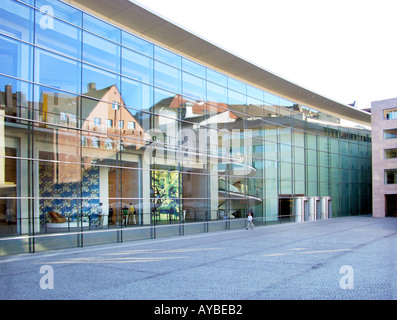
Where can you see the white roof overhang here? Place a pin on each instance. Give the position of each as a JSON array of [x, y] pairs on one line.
[[144, 22]]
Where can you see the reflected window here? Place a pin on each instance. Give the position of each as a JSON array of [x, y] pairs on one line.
[[115, 105], [109, 123], [109, 144], [84, 141], [131, 125], [95, 142], [121, 124], [97, 121]]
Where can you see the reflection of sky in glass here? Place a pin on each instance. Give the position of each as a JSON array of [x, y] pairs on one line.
[[16, 20], [193, 86], [101, 28], [56, 71], [167, 77], [137, 66], [15, 58], [63, 11], [63, 37], [136, 95], [101, 52], [101, 78]]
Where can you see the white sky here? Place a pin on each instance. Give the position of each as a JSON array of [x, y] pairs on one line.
[[345, 50]]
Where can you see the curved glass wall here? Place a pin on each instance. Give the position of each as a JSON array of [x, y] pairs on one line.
[[106, 137]]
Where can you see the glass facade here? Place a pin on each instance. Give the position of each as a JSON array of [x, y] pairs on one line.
[[106, 137]]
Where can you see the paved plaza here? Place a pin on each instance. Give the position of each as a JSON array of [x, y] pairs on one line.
[[341, 258]]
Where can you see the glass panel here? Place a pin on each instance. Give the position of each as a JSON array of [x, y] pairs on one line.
[[237, 85], [238, 99], [299, 172], [271, 99], [284, 135], [168, 57], [193, 68], [62, 37], [323, 159], [57, 72], [193, 87], [101, 52], [137, 95], [55, 107], [137, 44], [10, 205], [16, 58], [285, 170], [101, 28], [285, 153], [271, 150], [60, 10], [97, 82], [216, 77], [15, 98], [167, 77], [311, 157], [216, 93], [137, 66], [299, 155], [255, 93], [311, 141], [16, 20]]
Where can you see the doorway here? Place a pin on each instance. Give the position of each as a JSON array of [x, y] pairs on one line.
[[391, 205], [285, 209]]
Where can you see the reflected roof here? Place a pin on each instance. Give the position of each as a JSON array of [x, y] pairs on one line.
[[144, 22]]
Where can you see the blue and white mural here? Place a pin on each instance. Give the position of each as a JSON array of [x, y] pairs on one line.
[[69, 199]]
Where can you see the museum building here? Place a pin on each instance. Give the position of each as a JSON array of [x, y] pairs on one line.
[[117, 125]]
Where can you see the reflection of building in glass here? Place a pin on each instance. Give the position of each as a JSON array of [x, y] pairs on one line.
[[172, 143]]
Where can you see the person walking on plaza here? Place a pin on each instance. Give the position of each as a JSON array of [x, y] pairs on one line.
[[249, 221]]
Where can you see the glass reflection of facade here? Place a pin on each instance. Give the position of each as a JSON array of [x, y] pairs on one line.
[[95, 118]]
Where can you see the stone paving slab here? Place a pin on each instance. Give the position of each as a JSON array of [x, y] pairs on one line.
[[288, 261]]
